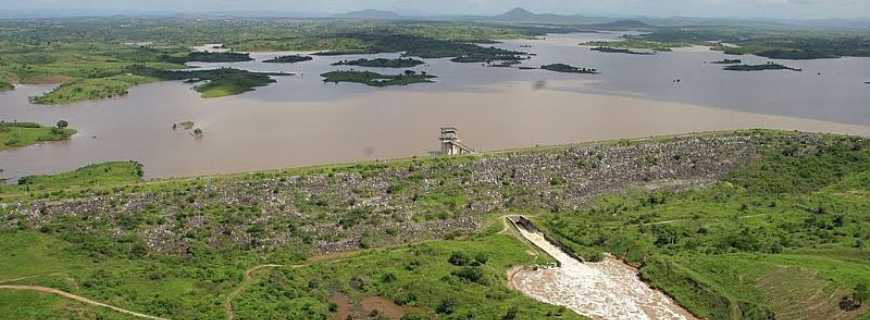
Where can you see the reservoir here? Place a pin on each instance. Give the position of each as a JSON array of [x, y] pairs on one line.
[[300, 120]]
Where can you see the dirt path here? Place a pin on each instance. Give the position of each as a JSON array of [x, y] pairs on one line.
[[249, 277], [81, 299], [246, 281], [228, 302]]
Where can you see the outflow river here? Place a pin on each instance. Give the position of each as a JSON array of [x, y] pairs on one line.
[[301, 120], [607, 290]]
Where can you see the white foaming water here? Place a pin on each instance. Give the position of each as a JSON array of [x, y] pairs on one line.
[[603, 290]]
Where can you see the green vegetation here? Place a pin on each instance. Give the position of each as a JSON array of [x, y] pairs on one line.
[[561, 67], [381, 63], [427, 48], [376, 79], [760, 67], [488, 58], [620, 50], [103, 174], [217, 82], [632, 43], [20, 134], [289, 59], [784, 237], [96, 53], [91, 89], [423, 280], [6, 86], [217, 57], [767, 42]]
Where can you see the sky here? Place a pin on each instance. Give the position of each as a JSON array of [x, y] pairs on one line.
[[788, 9]]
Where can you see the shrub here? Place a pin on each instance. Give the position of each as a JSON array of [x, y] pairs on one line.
[[470, 274], [459, 259], [447, 306]]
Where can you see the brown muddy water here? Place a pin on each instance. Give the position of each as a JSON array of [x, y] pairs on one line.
[[301, 121]]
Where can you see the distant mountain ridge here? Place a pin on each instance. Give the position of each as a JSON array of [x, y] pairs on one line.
[[518, 13], [370, 14], [521, 15]]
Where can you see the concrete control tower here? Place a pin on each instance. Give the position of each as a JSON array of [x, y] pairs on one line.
[[450, 143]]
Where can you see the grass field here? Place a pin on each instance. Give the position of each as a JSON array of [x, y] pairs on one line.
[[13, 135], [420, 279]]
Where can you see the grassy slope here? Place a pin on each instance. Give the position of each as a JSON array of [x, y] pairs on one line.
[[419, 277], [12, 137], [745, 262], [97, 175], [783, 235], [118, 272]]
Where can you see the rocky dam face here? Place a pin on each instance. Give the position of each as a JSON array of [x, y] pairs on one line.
[[609, 289]]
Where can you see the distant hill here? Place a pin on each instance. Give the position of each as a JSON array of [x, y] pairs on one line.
[[370, 14], [518, 13], [521, 15]]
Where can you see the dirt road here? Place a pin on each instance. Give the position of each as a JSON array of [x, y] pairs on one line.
[[78, 298]]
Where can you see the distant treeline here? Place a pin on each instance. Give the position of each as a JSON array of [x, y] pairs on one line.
[[774, 44]]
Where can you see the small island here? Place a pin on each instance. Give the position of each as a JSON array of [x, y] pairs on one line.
[[761, 67], [375, 79], [728, 61], [634, 44], [215, 82], [486, 58], [561, 67], [184, 125], [620, 50], [91, 89], [289, 59], [381, 63], [20, 134]]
